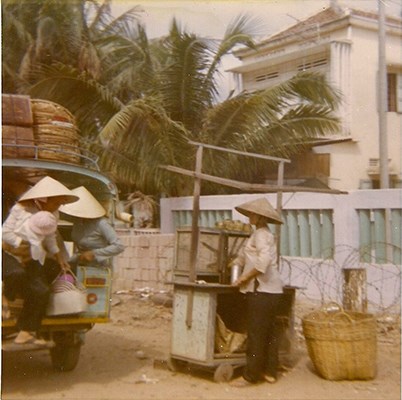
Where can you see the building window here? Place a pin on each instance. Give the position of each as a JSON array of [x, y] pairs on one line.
[[314, 64], [207, 218], [307, 233], [266, 77], [394, 86], [374, 173], [374, 183], [286, 70], [375, 247]]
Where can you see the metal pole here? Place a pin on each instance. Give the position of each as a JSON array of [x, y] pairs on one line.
[[382, 115], [281, 172], [382, 98]]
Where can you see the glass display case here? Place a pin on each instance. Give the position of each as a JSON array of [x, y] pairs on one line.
[[216, 248]]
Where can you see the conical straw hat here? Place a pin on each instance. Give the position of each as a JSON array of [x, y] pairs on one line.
[[49, 187], [86, 207], [262, 207]]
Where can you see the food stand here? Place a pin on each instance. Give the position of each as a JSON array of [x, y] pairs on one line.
[[205, 306]]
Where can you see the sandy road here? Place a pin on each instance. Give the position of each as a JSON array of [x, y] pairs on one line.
[[120, 361]]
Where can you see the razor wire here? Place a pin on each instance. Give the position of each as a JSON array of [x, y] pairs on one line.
[[322, 281]]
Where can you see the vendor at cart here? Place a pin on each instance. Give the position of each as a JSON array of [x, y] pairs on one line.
[[261, 283]]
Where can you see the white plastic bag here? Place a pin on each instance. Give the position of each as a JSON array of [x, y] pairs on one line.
[[66, 297]]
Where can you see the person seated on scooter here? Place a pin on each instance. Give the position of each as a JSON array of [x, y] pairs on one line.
[[39, 230], [95, 239], [22, 274]]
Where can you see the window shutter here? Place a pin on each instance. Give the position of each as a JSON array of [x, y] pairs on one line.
[[399, 93]]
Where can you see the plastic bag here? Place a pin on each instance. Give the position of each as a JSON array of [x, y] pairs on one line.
[[66, 297]]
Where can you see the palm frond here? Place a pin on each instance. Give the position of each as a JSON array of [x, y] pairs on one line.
[[240, 31], [250, 111], [142, 133], [312, 87], [128, 64], [129, 17], [240, 115], [183, 87], [91, 103], [13, 29], [98, 15], [280, 121]]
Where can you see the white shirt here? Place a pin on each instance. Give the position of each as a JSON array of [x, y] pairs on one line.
[[15, 230], [260, 252], [37, 242]]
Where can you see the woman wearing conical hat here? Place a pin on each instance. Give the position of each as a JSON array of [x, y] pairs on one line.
[[95, 239], [23, 275], [261, 283]]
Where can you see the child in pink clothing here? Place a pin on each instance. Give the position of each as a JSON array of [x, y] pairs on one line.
[[39, 230]]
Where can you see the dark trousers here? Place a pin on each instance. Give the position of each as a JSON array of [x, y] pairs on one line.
[[262, 355], [29, 283]]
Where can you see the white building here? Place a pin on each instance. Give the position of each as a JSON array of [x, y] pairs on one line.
[[342, 44]]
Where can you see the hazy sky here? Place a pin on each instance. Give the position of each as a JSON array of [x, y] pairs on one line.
[[211, 17]]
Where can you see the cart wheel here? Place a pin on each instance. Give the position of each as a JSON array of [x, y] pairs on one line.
[[65, 357], [223, 373]]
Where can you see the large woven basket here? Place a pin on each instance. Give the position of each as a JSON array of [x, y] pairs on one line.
[[342, 345], [56, 133], [47, 112]]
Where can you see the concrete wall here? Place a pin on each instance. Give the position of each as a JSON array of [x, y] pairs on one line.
[[147, 261]]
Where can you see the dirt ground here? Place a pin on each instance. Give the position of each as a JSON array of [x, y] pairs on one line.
[[126, 359]]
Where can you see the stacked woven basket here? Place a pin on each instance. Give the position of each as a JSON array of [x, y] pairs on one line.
[[342, 345], [55, 131], [31, 122]]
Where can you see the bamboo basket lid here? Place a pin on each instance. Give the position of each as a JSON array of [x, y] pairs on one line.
[[45, 111]]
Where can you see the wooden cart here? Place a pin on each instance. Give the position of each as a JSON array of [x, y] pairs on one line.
[[196, 344], [197, 305]]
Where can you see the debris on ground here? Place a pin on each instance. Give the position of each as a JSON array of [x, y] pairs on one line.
[[144, 379]]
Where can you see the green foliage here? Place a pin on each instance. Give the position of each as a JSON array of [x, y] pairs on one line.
[[138, 101]]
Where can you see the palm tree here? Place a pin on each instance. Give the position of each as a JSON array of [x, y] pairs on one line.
[[278, 120], [152, 96], [48, 38]]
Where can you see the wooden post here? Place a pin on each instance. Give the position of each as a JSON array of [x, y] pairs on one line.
[[194, 235], [195, 217], [355, 290]]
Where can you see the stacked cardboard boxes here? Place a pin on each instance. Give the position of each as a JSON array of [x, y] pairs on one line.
[[17, 127]]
